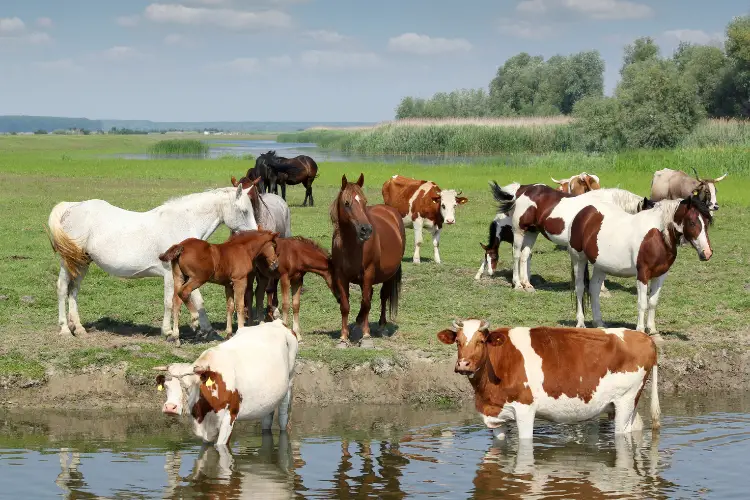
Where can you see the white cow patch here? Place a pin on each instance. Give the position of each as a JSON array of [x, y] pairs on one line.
[[470, 327], [712, 191], [422, 190], [619, 332], [394, 176]]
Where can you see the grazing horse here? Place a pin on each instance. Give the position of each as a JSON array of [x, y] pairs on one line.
[[261, 171], [367, 248], [196, 262], [272, 214], [501, 229], [537, 208], [668, 184], [578, 184], [297, 256], [298, 170], [643, 245], [126, 244]]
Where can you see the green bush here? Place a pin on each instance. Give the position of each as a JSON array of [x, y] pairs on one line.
[[180, 147], [597, 125]]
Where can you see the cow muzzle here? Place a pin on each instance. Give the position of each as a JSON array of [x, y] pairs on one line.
[[170, 409], [464, 368], [450, 222]]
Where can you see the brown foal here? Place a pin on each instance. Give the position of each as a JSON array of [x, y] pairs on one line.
[[195, 262], [296, 256]]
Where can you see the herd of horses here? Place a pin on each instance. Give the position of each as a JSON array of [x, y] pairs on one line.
[[612, 230]]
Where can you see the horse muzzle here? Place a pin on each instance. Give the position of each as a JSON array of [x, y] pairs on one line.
[[274, 265], [364, 232]]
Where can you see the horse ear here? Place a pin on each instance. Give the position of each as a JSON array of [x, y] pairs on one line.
[[256, 181], [234, 181], [484, 247], [344, 182], [361, 180]]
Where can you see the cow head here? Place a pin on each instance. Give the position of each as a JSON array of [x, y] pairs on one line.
[[171, 381], [578, 184], [472, 337], [692, 218], [706, 190], [448, 200]]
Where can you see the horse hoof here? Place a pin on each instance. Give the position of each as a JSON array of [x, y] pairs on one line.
[[529, 288], [175, 340], [65, 332], [342, 344], [366, 343], [657, 338]]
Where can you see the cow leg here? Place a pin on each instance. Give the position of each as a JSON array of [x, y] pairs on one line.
[[653, 301], [525, 264], [595, 287], [344, 307], [525, 421], [285, 411], [73, 316], [417, 239], [518, 237], [579, 268], [225, 427], [229, 293], [266, 422], [240, 285], [63, 284], [364, 313], [626, 416], [642, 289], [436, 243], [296, 294]]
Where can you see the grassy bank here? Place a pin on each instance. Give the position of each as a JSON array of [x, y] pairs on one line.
[[702, 304], [491, 136]]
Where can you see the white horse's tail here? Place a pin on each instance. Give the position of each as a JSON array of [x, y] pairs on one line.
[[655, 408], [74, 258]]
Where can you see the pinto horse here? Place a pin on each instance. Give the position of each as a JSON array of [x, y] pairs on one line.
[[643, 245], [538, 208], [298, 170], [368, 245], [196, 262]]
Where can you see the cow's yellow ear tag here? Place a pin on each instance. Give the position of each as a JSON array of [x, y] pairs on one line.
[[160, 388], [209, 382]]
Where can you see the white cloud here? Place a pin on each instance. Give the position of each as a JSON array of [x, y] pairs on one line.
[[280, 61], [336, 59], [524, 29], [176, 39], [224, 18], [44, 22], [121, 53], [326, 36], [38, 38], [595, 9], [128, 21], [11, 26], [59, 65], [243, 65], [414, 43], [694, 36]]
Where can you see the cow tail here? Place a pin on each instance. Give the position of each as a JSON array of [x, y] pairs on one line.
[[74, 258], [655, 408], [395, 293], [173, 253]]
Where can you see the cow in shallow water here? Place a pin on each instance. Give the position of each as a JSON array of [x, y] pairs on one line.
[[559, 374], [669, 184], [578, 184], [246, 377], [422, 204]]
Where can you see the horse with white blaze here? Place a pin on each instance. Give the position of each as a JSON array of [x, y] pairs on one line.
[[244, 378], [559, 374], [128, 244]]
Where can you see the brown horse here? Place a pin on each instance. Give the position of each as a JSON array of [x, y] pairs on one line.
[[298, 170], [297, 257], [368, 245], [195, 262]]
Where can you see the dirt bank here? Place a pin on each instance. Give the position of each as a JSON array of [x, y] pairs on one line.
[[416, 380]]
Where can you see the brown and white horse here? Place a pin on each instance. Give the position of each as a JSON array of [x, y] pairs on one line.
[[538, 208], [367, 248], [643, 245]]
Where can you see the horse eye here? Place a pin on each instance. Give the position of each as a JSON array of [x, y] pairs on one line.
[[347, 203]]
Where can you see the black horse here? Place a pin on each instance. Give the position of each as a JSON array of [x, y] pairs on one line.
[[282, 171]]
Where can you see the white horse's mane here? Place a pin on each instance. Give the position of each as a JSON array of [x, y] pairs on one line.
[[630, 202], [667, 208], [190, 197]]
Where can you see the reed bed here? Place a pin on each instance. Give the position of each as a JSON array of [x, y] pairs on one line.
[[172, 147], [507, 121], [719, 132]]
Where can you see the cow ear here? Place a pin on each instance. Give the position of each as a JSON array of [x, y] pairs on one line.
[[344, 182], [436, 199], [160, 379], [447, 337], [461, 200], [361, 180], [495, 337], [695, 192]]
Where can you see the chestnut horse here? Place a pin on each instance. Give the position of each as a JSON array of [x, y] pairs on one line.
[[367, 248], [195, 262], [297, 257], [298, 170]]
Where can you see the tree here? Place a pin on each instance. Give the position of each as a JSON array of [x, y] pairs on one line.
[[658, 107], [597, 125], [705, 67], [642, 49], [735, 90]]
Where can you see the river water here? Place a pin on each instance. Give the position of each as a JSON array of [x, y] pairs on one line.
[[361, 451]]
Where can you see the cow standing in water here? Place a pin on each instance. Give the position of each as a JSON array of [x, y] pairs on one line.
[[422, 204], [559, 374], [669, 184]]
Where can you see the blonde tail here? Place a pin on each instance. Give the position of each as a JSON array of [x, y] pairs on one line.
[[655, 409], [74, 258]]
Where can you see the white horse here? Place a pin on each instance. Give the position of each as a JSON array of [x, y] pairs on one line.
[[127, 244]]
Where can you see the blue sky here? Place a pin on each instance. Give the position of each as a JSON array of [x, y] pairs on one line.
[[303, 60]]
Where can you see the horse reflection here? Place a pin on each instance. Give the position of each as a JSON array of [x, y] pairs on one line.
[[263, 472], [575, 470], [70, 479]]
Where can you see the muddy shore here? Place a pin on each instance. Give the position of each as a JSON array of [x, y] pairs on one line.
[[414, 380]]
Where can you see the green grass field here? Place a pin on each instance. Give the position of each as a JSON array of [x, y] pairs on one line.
[[706, 303]]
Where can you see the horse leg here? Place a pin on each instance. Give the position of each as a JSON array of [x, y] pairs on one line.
[[653, 301], [595, 288], [240, 285], [579, 268], [259, 293], [296, 294], [285, 292], [229, 293], [272, 300], [344, 307], [73, 316], [417, 239], [63, 284], [197, 299], [385, 293], [364, 313], [525, 265], [436, 242], [642, 289], [283, 190], [518, 237], [194, 315]]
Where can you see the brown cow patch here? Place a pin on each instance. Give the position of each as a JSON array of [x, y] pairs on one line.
[[584, 232], [216, 396], [654, 256]]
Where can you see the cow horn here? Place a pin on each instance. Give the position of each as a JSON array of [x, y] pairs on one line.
[[720, 178], [456, 325], [160, 368], [485, 325], [696, 173], [556, 181]]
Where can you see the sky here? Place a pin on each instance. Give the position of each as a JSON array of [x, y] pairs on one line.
[[304, 60]]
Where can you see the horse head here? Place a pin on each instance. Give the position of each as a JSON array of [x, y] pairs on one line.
[[349, 209], [268, 250], [693, 218]]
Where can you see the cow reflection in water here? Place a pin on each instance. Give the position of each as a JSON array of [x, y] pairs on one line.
[[70, 479], [577, 469], [250, 473]]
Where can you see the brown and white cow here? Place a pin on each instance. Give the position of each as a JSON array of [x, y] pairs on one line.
[[246, 377], [578, 184], [559, 374], [669, 184], [422, 204]]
